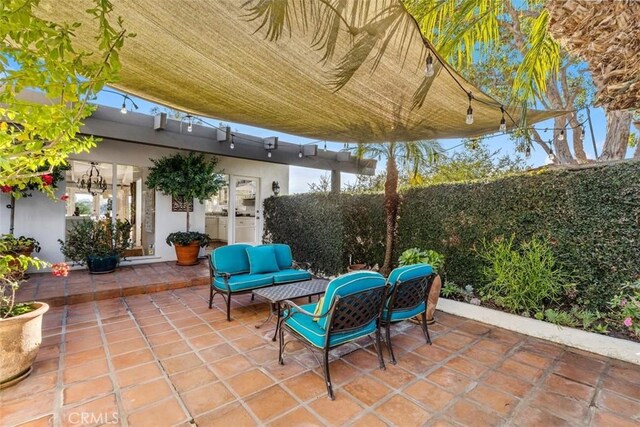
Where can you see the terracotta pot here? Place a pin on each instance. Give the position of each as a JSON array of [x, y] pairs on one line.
[[21, 337], [357, 267], [187, 254], [434, 295]]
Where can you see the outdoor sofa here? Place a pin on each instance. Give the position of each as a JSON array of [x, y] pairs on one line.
[[241, 268]]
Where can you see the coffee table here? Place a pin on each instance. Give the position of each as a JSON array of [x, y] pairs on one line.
[[277, 294]]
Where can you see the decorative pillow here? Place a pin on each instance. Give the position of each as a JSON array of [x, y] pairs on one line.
[[318, 310], [262, 259]]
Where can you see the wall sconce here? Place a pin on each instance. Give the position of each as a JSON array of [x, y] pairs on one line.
[[275, 186]]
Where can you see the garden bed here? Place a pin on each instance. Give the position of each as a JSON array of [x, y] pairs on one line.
[[621, 349]]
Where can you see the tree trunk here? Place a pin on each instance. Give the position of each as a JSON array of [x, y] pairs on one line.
[[187, 204], [391, 211], [12, 219], [561, 148], [618, 129]]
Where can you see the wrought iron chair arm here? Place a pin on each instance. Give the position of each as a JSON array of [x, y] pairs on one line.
[[225, 277], [288, 306]]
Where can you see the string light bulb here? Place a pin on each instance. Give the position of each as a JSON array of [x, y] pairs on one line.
[[429, 71], [190, 126], [123, 110], [469, 120], [503, 122], [269, 154], [561, 135], [232, 145], [582, 133], [325, 146], [300, 152], [527, 151]]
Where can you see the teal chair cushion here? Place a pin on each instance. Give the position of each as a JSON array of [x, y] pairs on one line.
[[262, 259], [244, 281], [315, 335], [290, 275], [348, 284], [399, 315], [283, 255], [409, 272], [231, 259]]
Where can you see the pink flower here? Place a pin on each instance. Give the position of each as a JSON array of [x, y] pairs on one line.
[[628, 322], [47, 179], [64, 197], [623, 302], [60, 269], [6, 189]]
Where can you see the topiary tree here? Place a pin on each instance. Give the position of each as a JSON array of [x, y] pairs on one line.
[[186, 177]]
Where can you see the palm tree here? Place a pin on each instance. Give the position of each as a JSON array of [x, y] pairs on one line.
[[468, 32], [411, 156]]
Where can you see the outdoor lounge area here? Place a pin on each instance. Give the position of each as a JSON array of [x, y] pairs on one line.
[[319, 213], [166, 359]]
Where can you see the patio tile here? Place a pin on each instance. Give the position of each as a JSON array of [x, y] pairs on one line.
[[367, 390], [45, 421], [193, 378], [341, 372], [368, 420], [249, 382], [432, 353], [622, 387], [414, 363], [402, 412], [452, 341], [450, 380], [136, 397], [263, 355], [91, 369], [87, 389], [532, 359], [232, 414], [468, 413], [282, 372], [561, 406], [393, 376], [172, 349], [499, 402], [206, 398], [249, 343], [508, 384], [306, 386], [166, 412], [231, 366], [26, 389], [519, 370], [126, 346], [577, 373], [104, 409], [132, 359], [618, 404], [466, 366], [297, 417], [181, 363], [270, 403], [624, 371], [18, 410], [481, 356], [433, 397], [338, 411], [567, 387], [138, 374], [607, 419], [534, 417], [217, 352]]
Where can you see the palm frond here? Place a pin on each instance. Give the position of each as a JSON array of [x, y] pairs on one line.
[[277, 15]]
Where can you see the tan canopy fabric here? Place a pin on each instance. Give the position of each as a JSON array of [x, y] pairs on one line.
[[213, 58]]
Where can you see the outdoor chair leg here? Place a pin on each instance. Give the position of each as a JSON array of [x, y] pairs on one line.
[[327, 376], [425, 328], [229, 307], [379, 349], [253, 296], [210, 296], [389, 347], [281, 344]]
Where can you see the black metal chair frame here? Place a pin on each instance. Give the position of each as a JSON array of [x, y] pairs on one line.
[[226, 293], [342, 316], [408, 295]]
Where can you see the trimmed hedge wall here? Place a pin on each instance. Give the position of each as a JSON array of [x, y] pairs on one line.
[[328, 230], [590, 216]]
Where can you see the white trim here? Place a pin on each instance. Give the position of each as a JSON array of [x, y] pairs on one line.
[[616, 348]]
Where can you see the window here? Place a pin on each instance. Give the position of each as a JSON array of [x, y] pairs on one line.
[[91, 187]]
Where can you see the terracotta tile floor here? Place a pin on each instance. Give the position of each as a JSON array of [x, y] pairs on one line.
[[165, 359], [80, 286]]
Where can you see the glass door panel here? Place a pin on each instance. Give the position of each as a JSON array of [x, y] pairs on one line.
[[245, 221]]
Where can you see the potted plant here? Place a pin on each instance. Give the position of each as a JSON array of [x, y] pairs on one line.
[[185, 178], [98, 244], [436, 260], [20, 323]]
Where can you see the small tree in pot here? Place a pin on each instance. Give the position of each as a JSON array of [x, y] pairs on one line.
[[99, 244], [186, 177]]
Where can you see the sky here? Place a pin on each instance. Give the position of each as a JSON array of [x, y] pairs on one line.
[[300, 178]]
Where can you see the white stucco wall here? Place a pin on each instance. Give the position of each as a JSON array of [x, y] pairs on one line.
[[44, 219]]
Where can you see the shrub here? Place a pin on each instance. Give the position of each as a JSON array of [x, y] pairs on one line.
[[418, 256], [520, 280], [96, 238], [625, 307]]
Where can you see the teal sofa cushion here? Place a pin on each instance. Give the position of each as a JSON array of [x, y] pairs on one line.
[[231, 259], [262, 259], [243, 282], [399, 315], [315, 335], [290, 275], [283, 255], [409, 272], [348, 284]]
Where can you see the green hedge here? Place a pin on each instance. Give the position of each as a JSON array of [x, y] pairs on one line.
[[328, 230], [590, 216]]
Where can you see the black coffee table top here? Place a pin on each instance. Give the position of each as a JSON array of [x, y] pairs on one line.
[[279, 293]]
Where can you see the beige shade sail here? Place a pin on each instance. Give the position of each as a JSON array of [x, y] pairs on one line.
[[339, 70]]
